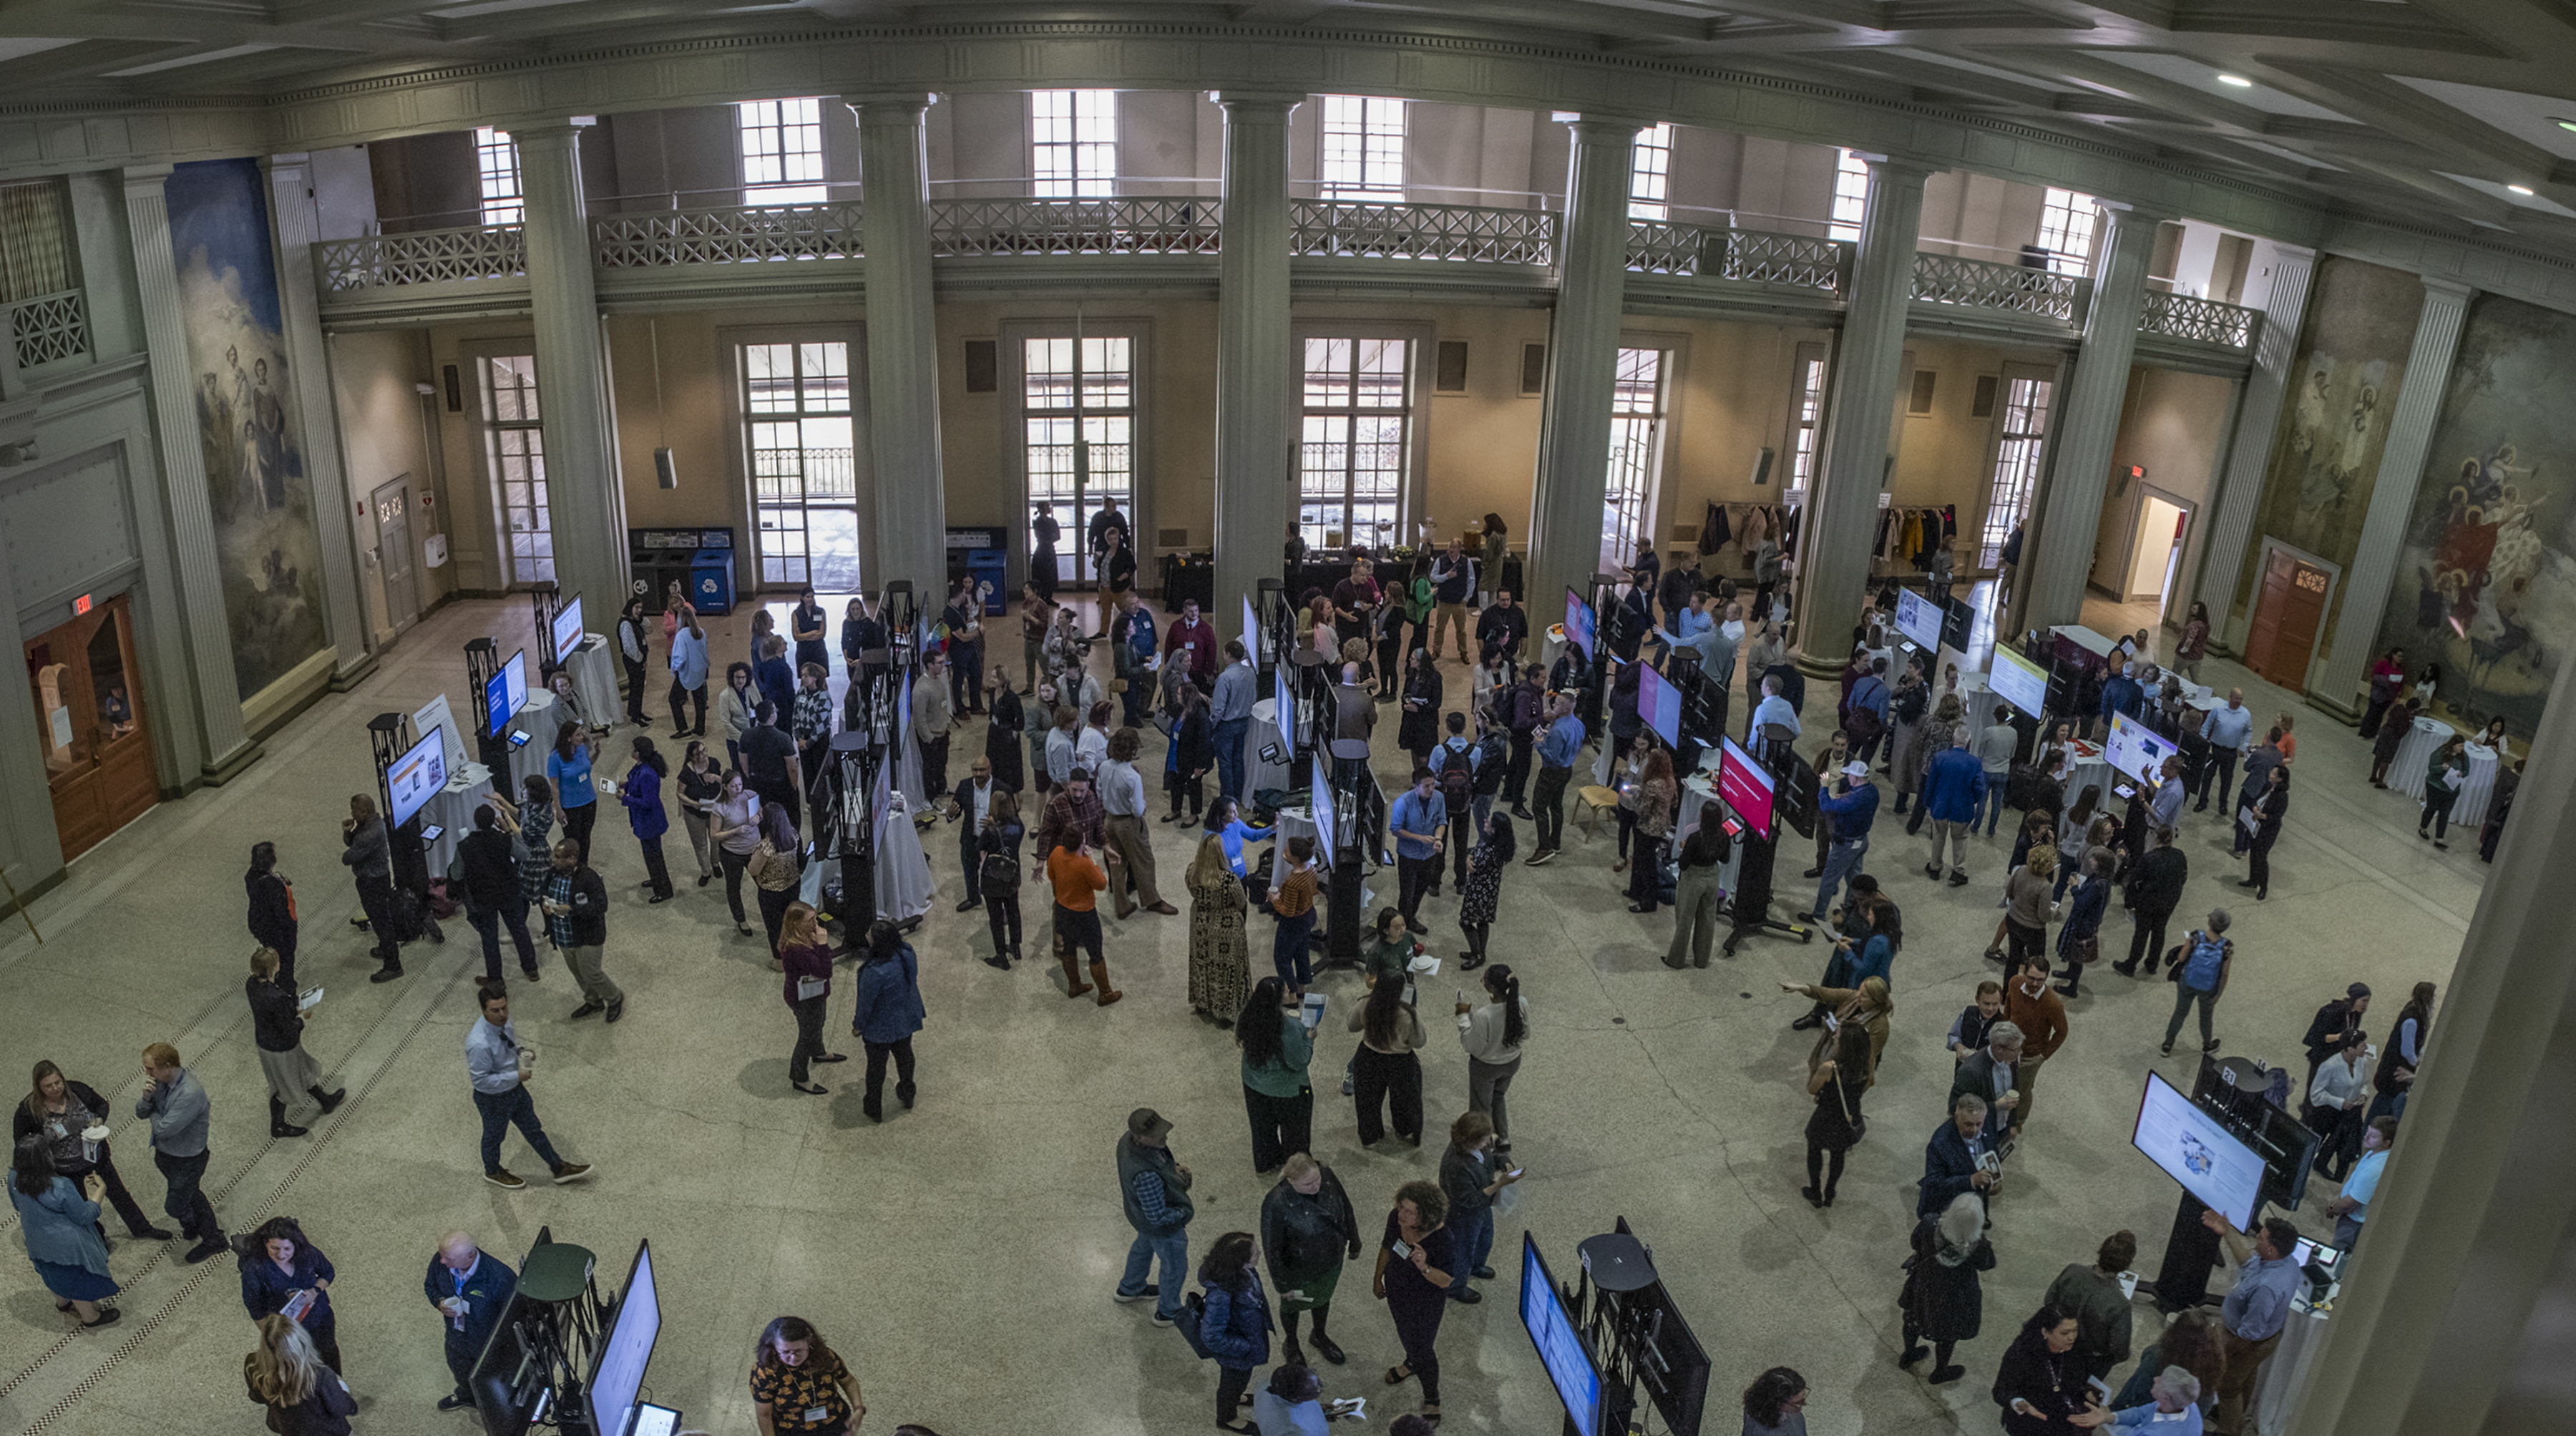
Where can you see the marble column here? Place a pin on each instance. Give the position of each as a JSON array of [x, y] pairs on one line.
[[217, 708], [299, 224], [1565, 527], [2454, 1312], [2249, 451], [1256, 358], [588, 506], [2362, 597], [908, 537], [1860, 407], [2057, 555]]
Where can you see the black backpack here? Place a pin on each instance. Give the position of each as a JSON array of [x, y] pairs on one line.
[[1910, 703], [1457, 779]]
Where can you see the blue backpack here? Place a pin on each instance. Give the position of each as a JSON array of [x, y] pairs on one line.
[[2200, 970]]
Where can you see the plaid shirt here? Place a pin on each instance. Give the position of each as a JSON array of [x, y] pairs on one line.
[[813, 715], [558, 891], [1066, 814], [535, 860]]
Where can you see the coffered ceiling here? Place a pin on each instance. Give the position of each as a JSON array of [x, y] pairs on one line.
[[2452, 115]]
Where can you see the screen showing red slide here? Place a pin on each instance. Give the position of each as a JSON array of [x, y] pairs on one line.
[[1744, 787]]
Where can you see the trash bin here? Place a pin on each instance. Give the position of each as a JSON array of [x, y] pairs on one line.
[[657, 559], [711, 580], [991, 568]]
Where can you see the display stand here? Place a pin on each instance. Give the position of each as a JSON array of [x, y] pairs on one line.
[[1637, 1337], [534, 1366], [390, 735], [1353, 829], [482, 663], [546, 601]]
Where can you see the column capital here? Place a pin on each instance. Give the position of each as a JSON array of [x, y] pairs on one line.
[[1601, 127], [1253, 101], [145, 179], [561, 131], [883, 107], [1897, 169], [2446, 289]]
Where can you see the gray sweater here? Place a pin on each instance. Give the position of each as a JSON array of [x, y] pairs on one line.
[[178, 1112], [369, 854]]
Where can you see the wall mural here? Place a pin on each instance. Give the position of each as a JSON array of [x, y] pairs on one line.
[[2485, 584], [247, 423], [2361, 322]]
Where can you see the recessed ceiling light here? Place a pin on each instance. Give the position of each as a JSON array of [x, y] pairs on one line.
[[2567, 124], [2239, 81], [2521, 189]]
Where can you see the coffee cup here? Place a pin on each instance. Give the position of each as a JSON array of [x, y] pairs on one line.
[[97, 1133]]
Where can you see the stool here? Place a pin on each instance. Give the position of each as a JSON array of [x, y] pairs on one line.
[[1596, 800]]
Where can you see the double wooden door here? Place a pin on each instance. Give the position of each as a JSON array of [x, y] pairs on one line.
[[91, 721], [2287, 610]]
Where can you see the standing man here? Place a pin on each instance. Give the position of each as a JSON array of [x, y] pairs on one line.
[[1043, 568], [368, 853], [1453, 767], [1775, 710], [932, 716], [2032, 1005], [1418, 820], [1905, 711], [176, 1106], [1501, 627], [576, 908], [1231, 714], [1109, 536], [1192, 643], [2165, 809], [1870, 696], [1528, 700], [964, 617], [2010, 563], [1995, 749], [973, 802], [2121, 693], [2227, 730], [1954, 788], [1131, 651], [1125, 814], [500, 1069], [1988, 1076], [1155, 1190], [469, 1289], [2256, 1309], [2155, 890], [1453, 587], [769, 761], [688, 673], [1851, 807], [1556, 753], [490, 859]]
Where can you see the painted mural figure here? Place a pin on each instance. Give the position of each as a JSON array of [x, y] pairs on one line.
[[267, 440]]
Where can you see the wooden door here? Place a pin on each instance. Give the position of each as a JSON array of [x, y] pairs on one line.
[[2287, 610], [90, 718], [393, 554]]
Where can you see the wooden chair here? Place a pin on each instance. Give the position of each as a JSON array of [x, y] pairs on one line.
[[1595, 801]]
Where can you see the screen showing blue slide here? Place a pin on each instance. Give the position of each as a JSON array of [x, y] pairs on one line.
[[1578, 622], [1560, 1348], [1660, 704], [2196, 1151]]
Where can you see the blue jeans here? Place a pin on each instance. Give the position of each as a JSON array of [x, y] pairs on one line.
[[1174, 1250], [500, 1110], [1475, 1241], [1229, 756], [1994, 803], [1291, 950], [1841, 861]]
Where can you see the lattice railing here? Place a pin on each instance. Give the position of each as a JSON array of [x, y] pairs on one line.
[[1125, 225], [1744, 256], [48, 329], [422, 256], [1979, 284], [1347, 229], [729, 234], [1658, 247], [2179, 316]]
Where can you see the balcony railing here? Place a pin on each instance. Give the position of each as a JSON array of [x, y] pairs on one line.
[[1978, 284], [1127, 225], [1743, 256], [728, 234], [2206, 321], [1343, 229], [48, 329], [422, 256]]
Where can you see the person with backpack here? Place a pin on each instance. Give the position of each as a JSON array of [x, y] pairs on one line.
[[1233, 1321], [1453, 765], [2201, 976], [1865, 712], [1528, 700], [2155, 890]]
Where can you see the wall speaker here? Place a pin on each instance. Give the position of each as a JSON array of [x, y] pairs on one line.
[[1762, 465], [665, 472], [455, 392]]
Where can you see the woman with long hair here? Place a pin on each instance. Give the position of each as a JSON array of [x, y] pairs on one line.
[[1482, 892], [800, 1384], [2028, 906], [1277, 1096], [1417, 1262], [1834, 1126], [1472, 1175], [1386, 1071], [1776, 1404], [294, 1082], [776, 866], [733, 710], [1943, 1302], [701, 783], [2040, 1381], [576, 794], [1417, 729], [1192, 752], [60, 1228], [806, 956], [1652, 803], [1699, 888], [642, 795], [1235, 1327], [1492, 1033], [286, 1275], [2395, 1075], [1632, 747], [304, 1396], [2074, 834], [272, 908], [805, 624], [1004, 726], [997, 851], [61, 1111], [2079, 941], [889, 1012], [1220, 958]]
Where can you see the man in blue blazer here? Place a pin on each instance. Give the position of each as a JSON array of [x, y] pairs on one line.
[[1950, 1161], [469, 1286]]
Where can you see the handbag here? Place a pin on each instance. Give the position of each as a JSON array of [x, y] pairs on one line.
[[2173, 964], [1191, 1324]]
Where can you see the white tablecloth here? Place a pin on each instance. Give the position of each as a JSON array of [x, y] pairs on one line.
[[1259, 772], [2406, 770], [452, 809], [2476, 789], [1979, 698], [1550, 645], [2285, 1375], [2086, 763], [528, 760], [594, 677]]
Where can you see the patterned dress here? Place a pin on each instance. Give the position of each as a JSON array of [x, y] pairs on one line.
[[1476, 901], [1220, 967]]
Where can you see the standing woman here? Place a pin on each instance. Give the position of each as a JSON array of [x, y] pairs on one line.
[[1276, 1094], [2195, 643], [805, 624], [2392, 735], [1292, 901], [1492, 1032], [2443, 776], [733, 711], [1633, 748], [576, 795], [272, 908], [279, 1031], [1415, 1286], [304, 1396], [688, 672], [1472, 1175], [59, 1110], [1483, 890], [2395, 1075], [1776, 1404], [800, 1385], [1236, 1324], [1308, 1230], [774, 869], [1002, 733], [633, 646], [701, 783], [806, 956], [2073, 829], [1193, 752], [642, 795], [1652, 801], [997, 851], [2079, 941], [1417, 729], [889, 1012], [736, 835], [1037, 615], [1943, 1302], [1386, 1070], [60, 1228], [1220, 961], [536, 821], [1835, 1124], [2028, 907], [285, 1275], [2268, 810]]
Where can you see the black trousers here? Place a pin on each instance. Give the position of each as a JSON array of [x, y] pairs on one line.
[[2258, 860], [934, 767], [773, 911], [733, 864], [1392, 1081], [2217, 775], [1002, 910], [1078, 931], [489, 922], [1551, 806], [136, 1222], [874, 1105], [286, 959], [634, 689], [2147, 937], [2437, 812], [1281, 1126], [186, 1202], [780, 790], [2024, 942], [1516, 773], [1462, 840], [969, 861], [376, 899], [654, 867], [809, 1037], [680, 694], [1231, 1382], [578, 822], [1413, 878]]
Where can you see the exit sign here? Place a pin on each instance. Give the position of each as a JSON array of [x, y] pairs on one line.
[[81, 605]]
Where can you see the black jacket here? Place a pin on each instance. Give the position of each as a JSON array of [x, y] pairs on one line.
[[486, 1292], [272, 915], [2160, 878], [24, 1124], [589, 918], [1502, 628], [768, 754], [273, 1015], [491, 868]]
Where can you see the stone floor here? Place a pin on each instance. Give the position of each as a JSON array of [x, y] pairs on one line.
[[962, 1254]]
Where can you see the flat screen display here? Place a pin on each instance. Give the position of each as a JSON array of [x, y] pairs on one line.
[[1251, 633], [1660, 704], [1745, 786], [1578, 622], [567, 633], [506, 693], [618, 1380], [415, 776], [2019, 682], [1283, 697], [2195, 1150], [1919, 619], [1319, 788], [1560, 1348], [2136, 751]]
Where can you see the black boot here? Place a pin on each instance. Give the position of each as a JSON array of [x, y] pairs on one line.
[[277, 1123], [330, 1100]]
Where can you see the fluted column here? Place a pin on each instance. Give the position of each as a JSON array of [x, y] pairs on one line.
[[1256, 359], [217, 707], [1860, 405], [2057, 556], [299, 224], [588, 507], [1565, 528], [2249, 451], [2363, 595], [910, 505]]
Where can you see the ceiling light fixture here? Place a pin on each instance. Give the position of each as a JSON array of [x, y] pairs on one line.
[[2520, 189], [2567, 124], [2239, 81]]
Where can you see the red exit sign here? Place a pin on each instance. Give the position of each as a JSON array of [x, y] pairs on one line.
[[81, 605]]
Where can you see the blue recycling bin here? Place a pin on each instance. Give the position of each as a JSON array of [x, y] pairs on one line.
[[711, 580], [991, 567]]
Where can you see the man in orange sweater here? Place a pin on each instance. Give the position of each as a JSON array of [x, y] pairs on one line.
[[2033, 1006], [1078, 881]]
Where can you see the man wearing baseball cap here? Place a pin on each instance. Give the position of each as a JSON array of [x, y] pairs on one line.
[[1156, 1193], [1850, 807]]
